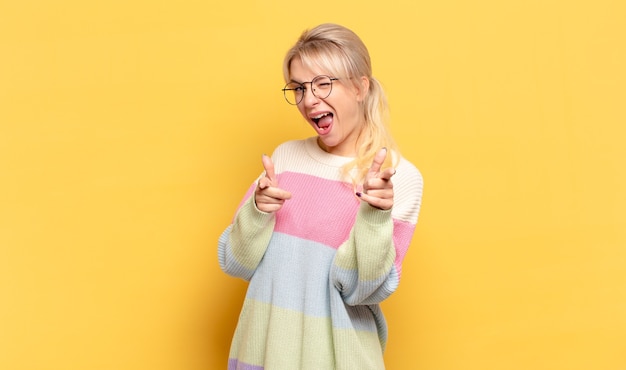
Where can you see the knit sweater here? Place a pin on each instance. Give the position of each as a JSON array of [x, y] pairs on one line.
[[318, 267]]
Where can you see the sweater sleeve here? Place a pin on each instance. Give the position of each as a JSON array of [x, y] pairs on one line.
[[367, 267], [242, 245], [363, 265]]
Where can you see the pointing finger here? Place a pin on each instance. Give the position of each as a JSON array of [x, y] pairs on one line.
[[386, 174], [264, 183]]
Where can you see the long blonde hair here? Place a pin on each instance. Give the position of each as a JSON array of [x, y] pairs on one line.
[[338, 50]]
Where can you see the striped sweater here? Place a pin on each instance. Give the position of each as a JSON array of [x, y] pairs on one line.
[[317, 268]]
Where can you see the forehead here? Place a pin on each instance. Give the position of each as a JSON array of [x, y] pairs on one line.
[[304, 72]]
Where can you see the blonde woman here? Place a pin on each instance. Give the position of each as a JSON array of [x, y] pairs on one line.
[[322, 233]]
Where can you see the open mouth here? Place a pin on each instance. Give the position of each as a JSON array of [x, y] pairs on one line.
[[323, 120]]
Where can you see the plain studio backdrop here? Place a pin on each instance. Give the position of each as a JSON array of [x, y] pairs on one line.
[[130, 130]]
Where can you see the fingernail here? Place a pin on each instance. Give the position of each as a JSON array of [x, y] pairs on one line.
[[385, 148], [358, 194]]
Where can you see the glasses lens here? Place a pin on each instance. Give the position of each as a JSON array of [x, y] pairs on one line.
[[322, 86], [293, 93]]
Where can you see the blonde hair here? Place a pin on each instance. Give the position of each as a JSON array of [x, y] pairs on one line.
[[340, 52]]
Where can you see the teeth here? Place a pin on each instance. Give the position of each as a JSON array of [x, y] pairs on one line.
[[319, 116]]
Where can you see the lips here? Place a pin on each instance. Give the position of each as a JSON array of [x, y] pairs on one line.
[[323, 121]]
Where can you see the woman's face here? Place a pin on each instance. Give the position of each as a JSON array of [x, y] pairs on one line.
[[337, 119]]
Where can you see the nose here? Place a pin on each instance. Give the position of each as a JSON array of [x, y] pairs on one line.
[[309, 98]]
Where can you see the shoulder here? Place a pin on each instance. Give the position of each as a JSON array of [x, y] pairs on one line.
[[289, 155], [408, 185], [289, 148], [408, 175]]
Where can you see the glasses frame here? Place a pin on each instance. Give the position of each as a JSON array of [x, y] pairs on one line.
[[287, 90]]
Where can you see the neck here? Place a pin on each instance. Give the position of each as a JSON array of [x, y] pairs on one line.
[[342, 151]]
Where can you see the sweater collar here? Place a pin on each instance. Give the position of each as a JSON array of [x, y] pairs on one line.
[[317, 153]]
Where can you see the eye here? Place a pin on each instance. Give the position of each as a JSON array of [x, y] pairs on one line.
[[295, 87]]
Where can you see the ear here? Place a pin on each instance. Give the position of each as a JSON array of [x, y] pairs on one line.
[[363, 88]]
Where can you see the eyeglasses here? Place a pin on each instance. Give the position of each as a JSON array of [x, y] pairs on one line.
[[321, 87]]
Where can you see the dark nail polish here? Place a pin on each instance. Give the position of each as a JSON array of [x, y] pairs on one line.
[[358, 194]]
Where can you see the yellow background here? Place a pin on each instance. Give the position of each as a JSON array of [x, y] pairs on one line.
[[129, 131]]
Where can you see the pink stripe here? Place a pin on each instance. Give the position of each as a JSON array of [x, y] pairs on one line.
[[402, 235], [320, 210], [324, 201]]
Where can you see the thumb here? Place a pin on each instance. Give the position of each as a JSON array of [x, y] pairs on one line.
[[377, 163], [268, 166]]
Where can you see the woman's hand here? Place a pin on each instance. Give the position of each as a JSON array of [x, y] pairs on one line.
[[377, 186], [267, 196]]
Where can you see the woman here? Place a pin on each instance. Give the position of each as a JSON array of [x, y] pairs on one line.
[[322, 233]]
